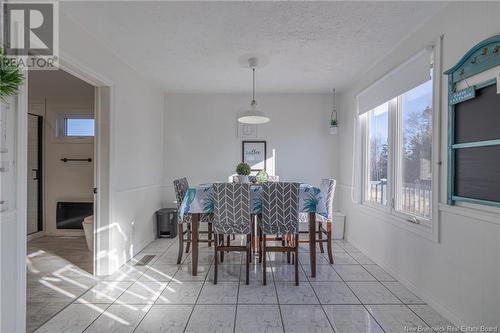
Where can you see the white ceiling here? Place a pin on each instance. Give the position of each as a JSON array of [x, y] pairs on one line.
[[195, 46]]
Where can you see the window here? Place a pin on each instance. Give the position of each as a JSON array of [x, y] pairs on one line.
[[75, 126], [79, 127], [398, 154], [414, 152], [377, 154]]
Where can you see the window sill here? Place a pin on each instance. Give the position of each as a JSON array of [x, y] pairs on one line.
[[486, 215], [73, 140], [429, 232]]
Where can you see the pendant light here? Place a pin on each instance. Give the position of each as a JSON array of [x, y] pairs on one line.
[[253, 116]]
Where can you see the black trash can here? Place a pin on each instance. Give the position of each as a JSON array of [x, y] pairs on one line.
[[166, 222]]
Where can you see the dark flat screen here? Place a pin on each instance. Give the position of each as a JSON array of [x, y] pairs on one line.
[[478, 119], [70, 215], [477, 173]]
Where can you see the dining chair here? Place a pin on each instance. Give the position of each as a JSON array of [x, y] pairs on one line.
[[181, 186], [325, 223], [273, 179], [232, 216], [280, 216]]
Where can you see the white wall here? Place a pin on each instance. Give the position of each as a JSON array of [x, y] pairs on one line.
[[460, 275], [136, 144], [55, 92], [201, 141]]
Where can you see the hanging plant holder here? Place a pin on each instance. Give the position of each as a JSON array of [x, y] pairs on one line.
[[11, 77], [333, 117]]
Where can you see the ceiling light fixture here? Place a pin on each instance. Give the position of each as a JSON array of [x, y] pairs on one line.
[[253, 116]]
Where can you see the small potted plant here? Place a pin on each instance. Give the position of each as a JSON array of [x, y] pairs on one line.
[[243, 170], [333, 126]]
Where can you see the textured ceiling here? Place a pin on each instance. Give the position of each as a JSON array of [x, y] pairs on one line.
[[195, 46]]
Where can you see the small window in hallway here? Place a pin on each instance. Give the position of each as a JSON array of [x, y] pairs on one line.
[[79, 127]]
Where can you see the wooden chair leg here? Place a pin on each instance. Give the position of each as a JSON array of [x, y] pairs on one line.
[[320, 237], [329, 242], [216, 261], [229, 240], [296, 262], [181, 243], [264, 260], [221, 242], [288, 252], [209, 234], [250, 241], [249, 255], [260, 244], [189, 237]]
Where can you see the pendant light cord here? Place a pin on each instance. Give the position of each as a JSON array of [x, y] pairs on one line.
[[334, 106], [334, 110], [253, 85]]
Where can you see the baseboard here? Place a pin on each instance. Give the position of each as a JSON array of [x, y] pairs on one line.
[[440, 308], [62, 232], [35, 235]]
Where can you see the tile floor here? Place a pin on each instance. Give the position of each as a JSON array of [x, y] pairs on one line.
[[57, 273], [354, 295]]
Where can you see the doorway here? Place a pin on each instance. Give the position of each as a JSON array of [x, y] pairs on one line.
[[34, 212], [60, 174]]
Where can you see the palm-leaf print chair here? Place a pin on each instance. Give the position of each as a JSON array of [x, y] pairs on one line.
[[325, 223], [280, 216], [232, 216], [181, 187]]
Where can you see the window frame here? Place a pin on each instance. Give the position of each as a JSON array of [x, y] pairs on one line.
[[61, 127], [398, 139], [366, 141], [427, 228]]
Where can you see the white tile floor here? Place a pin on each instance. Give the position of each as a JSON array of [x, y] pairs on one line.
[[354, 295]]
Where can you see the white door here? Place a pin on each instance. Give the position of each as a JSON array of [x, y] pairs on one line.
[[13, 215]]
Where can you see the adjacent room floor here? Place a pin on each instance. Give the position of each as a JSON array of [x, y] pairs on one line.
[[353, 295], [58, 272]]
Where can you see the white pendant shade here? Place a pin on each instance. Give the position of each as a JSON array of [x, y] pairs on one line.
[[253, 117]]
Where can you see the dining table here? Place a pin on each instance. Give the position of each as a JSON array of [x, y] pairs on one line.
[[200, 200]]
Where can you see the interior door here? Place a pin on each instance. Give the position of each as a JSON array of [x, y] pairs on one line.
[[34, 216]]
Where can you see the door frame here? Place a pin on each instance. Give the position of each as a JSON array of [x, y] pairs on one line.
[[103, 97], [40, 175]]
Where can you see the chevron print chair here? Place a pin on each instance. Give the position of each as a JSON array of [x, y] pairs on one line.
[[280, 216], [325, 224], [232, 216], [181, 186]]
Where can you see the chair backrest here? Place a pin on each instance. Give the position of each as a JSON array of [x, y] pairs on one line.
[[181, 186], [328, 188], [280, 208], [273, 179], [232, 209]]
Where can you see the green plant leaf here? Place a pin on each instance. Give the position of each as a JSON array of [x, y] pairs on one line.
[[11, 77]]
